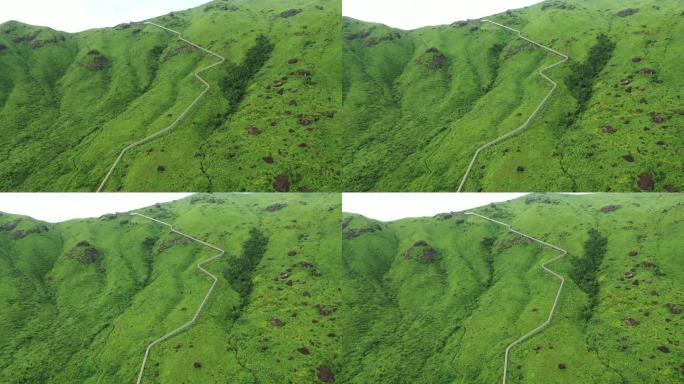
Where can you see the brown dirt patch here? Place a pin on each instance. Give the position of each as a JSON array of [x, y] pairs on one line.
[[325, 374], [646, 182], [281, 184]]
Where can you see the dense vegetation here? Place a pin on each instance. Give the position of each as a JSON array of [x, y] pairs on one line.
[[417, 104], [69, 103], [241, 270], [450, 320], [586, 268], [237, 78], [82, 299], [582, 76]]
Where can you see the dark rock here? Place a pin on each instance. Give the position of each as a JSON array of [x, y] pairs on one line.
[[664, 349], [303, 350], [610, 208], [275, 207], [290, 13], [292, 61], [197, 364], [628, 12], [658, 119], [561, 366], [281, 184], [277, 322], [636, 59], [268, 159], [608, 129], [305, 121], [520, 168], [9, 226], [292, 253], [674, 309], [628, 158], [357, 36], [633, 253], [161, 168]]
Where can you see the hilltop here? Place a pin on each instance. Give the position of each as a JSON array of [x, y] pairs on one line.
[[438, 300], [69, 103], [83, 298], [417, 104]]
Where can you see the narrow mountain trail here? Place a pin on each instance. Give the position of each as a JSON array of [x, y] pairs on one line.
[[545, 267], [187, 110], [534, 113], [200, 266]]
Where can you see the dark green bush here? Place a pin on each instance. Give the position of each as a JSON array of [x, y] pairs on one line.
[[585, 268]]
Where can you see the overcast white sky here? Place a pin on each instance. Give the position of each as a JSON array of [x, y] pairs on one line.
[[412, 14], [395, 206], [56, 207], [79, 15]]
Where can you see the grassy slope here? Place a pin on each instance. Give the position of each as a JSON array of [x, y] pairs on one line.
[[446, 322], [65, 123], [409, 127], [66, 321]]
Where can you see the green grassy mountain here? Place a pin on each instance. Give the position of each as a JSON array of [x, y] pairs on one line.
[[69, 103], [417, 104], [82, 299], [438, 300]]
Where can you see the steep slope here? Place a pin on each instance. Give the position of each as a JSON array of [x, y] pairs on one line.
[[82, 299], [417, 104], [69, 103], [438, 300]]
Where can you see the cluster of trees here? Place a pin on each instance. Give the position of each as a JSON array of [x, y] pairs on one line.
[[240, 270], [582, 75], [237, 76], [585, 269]]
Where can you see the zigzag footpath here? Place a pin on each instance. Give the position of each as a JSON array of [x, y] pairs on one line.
[[173, 125], [533, 115], [544, 266], [200, 266]]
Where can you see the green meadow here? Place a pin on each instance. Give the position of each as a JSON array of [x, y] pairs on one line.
[[82, 299], [417, 104], [69, 103], [438, 300]]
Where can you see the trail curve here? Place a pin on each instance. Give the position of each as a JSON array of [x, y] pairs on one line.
[[545, 267], [173, 125], [533, 115], [200, 266]]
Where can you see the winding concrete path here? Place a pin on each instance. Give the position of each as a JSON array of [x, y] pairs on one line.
[[200, 266], [173, 125], [533, 115], [545, 267]]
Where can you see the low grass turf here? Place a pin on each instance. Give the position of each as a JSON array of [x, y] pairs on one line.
[[417, 104], [437, 300], [69, 103], [82, 299]]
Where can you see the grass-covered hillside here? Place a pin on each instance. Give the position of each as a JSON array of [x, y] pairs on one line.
[[417, 104], [438, 300], [82, 299], [69, 103]]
